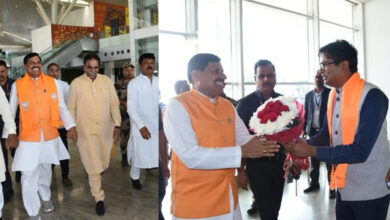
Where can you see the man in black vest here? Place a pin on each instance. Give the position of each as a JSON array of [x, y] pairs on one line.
[[316, 102], [265, 174]]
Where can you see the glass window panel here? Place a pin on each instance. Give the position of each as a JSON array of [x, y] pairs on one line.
[[170, 69], [331, 32], [248, 89], [277, 36], [214, 31], [172, 21], [297, 91], [292, 5], [337, 11]]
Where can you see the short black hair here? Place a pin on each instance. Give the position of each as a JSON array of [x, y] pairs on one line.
[[146, 56], [339, 51], [199, 62], [91, 56], [3, 63], [179, 84], [263, 63], [30, 55], [52, 64]]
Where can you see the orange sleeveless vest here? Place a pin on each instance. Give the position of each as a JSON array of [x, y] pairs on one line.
[[38, 104], [204, 193], [350, 100]]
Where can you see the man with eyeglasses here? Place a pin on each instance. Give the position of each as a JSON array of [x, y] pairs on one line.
[[353, 138], [265, 174], [316, 102], [94, 104]]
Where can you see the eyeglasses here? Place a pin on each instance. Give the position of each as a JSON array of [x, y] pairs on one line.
[[324, 65]]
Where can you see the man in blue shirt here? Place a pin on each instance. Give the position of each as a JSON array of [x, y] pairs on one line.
[[353, 137]]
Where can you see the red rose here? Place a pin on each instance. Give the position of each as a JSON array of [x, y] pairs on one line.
[[273, 116], [285, 108]]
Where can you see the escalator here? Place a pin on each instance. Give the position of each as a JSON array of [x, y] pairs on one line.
[[70, 54]]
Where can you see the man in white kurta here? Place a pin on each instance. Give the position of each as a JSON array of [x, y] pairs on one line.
[[33, 158], [94, 104], [205, 72], [53, 70], [142, 106], [9, 125]]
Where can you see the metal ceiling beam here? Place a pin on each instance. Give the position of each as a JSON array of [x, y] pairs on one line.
[[62, 18], [16, 36], [42, 12], [54, 14]]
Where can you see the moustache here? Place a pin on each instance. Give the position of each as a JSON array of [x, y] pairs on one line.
[[92, 73], [267, 84]]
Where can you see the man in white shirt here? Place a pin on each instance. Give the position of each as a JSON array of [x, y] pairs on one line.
[[12, 140], [142, 106], [53, 70]]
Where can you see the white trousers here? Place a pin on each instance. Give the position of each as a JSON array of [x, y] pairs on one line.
[[34, 182], [135, 172], [1, 199]]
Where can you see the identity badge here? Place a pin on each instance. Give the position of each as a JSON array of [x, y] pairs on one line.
[[25, 105], [229, 120]]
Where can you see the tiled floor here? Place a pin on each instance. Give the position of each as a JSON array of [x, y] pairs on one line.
[[122, 201], [312, 206]]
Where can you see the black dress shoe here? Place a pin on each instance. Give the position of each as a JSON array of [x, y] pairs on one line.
[[136, 184], [312, 188], [100, 208], [253, 209], [332, 194]]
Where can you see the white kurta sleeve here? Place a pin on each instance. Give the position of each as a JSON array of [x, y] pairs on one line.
[[5, 111], [65, 115], [181, 136], [132, 103], [65, 91], [13, 104]]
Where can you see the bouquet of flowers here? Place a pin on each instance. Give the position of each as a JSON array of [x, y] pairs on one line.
[[281, 119]]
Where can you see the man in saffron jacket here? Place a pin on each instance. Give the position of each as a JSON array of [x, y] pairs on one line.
[[208, 140], [41, 109], [353, 138]]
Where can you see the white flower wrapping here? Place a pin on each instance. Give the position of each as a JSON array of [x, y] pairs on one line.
[[281, 122]]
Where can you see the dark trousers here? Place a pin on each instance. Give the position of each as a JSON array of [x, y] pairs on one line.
[[362, 210], [161, 190], [315, 165], [266, 182], [64, 163], [7, 184], [315, 172]]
